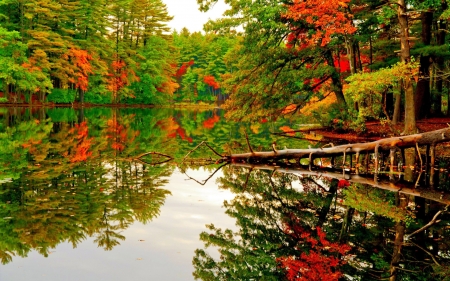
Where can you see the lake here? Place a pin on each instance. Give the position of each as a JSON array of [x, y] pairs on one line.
[[83, 198]]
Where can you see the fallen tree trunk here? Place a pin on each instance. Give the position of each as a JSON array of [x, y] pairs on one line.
[[402, 188], [411, 141]]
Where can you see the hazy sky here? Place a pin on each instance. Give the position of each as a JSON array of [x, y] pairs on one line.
[[186, 14]]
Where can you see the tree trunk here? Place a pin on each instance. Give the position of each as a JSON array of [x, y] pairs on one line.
[[81, 95], [423, 97], [346, 224], [397, 107], [410, 115], [336, 79], [448, 99], [351, 54], [437, 101], [6, 90]]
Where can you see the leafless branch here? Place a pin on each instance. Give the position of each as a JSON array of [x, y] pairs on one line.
[[433, 221], [248, 143], [200, 144], [205, 181]]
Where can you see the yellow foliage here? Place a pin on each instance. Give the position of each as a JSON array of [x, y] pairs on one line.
[[255, 128], [315, 104]]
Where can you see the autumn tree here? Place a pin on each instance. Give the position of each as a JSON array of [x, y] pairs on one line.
[[284, 48]]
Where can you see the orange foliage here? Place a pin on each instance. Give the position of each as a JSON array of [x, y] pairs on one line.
[[210, 122], [81, 62], [81, 151], [31, 145], [289, 109], [168, 87], [173, 129], [287, 130], [119, 134], [326, 17], [121, 76], [211, 81], [37, 61], [316, 105]]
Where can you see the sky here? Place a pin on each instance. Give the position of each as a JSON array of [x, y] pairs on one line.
[[186, 14]]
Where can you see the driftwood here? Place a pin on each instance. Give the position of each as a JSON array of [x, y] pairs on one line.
[[402, 188], [402, 142]]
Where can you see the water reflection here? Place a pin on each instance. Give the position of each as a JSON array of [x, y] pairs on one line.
[[298, 224], [59, 200], [67, 175]]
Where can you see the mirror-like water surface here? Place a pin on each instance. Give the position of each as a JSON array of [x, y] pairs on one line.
[[82, 198]]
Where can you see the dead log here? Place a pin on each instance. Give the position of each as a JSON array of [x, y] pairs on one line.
[[411, 141], [402, 188]]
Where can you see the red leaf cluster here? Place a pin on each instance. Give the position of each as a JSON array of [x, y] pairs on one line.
[[211, 81], [171, 126], [119, 135], [343, 183], [81, 61], [81, 151], [342, 63], [210, 122], [318, 260], [183, 68], [121, 76], [326, 18]]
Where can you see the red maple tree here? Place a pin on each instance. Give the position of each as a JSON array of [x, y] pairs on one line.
[[325, 18], [211, 81], [183, 69], [120, 76], [81, 60]]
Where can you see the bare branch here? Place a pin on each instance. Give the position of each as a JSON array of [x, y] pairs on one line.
[[200, 144], [205, 181], [428, 225]]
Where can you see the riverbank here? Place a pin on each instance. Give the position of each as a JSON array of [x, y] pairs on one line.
[[77, 105], [376, 130]]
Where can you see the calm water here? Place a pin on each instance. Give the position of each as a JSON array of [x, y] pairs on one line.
[[78, 203]]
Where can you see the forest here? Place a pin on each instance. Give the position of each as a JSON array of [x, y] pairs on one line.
[[99, 52], [340, 63]]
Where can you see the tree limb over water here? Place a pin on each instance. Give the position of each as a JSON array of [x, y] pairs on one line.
[[411, 141]]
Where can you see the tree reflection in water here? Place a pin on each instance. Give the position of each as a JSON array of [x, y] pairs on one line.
[[297, 224], [61, 182]]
